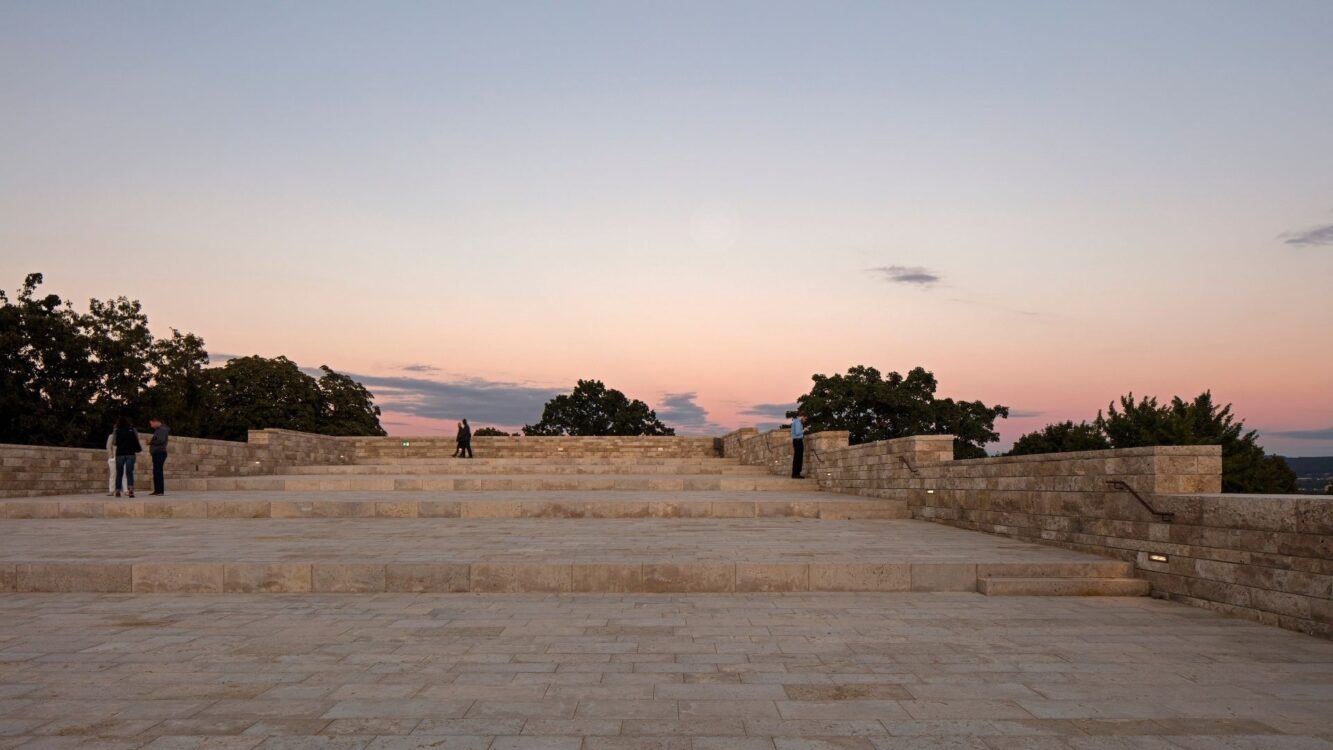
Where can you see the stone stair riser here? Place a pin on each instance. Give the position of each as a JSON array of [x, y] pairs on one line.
[[279, 509], [646, 577]]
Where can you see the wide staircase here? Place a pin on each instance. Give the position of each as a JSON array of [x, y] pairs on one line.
[[395, 520]]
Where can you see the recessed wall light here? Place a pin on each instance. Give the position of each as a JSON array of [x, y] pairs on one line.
[[1157, 558]]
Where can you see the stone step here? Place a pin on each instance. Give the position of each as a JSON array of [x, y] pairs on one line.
[[493, 483], [1063, 586], [488, 505], [475, 468], [522, 555], [372, 577]]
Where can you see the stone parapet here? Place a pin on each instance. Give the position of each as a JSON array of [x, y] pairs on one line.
[[372, 449]]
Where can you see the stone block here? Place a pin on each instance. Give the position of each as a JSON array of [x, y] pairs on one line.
[[177, 578], [237, 509], [761, 577], [521, 578], [608, 577], [9, 577], [436, 578], [110, 578], [347, 578], [944, 577], [689, 577], [860, 577], [272, 578]]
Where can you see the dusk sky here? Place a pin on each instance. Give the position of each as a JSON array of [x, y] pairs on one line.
[[469, 206]]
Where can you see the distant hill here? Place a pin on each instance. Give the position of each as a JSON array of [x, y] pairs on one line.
[[1310, 465], [1313, 473]]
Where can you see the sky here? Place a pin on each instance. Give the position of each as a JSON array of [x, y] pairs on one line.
[[470, 206]]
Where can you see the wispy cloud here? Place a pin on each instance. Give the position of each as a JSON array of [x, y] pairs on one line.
[[217, 357], [768, 411], [682, 411], [1024, 413], [420, 368], [1316, 237], [1323, 434], [477, 399], [913, 275]]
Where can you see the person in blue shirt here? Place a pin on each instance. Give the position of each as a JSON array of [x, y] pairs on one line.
[[797, 447]]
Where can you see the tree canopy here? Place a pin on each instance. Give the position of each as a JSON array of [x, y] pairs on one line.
[[593, 409], [874, 407], [66, 375], [1062, 437], [490, 432], [1145, 422]]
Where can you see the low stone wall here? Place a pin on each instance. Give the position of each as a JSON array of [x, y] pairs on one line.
[[773, 449], [1267, 558], [33, 470], [368, 450]]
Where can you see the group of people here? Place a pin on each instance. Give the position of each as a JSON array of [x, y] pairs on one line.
[[124, 445]]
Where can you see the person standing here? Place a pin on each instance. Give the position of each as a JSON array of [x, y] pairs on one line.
[[797, 447], [111, 462], [127, 447], [465, 440], [157, 450]]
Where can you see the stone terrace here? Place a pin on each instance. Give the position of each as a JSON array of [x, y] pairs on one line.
[[613, 672], [656, 593]]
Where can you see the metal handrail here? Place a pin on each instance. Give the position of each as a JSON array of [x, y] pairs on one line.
[[909, 466], [1123, 486]]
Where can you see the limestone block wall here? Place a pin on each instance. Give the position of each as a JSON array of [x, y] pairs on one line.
[[283, 448], [1267, 558], [32, 470], [773, 449], [371, 449]]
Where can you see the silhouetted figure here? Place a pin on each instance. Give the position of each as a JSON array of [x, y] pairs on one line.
[[797, 447], [464, 440], [127, 447], [157, 450]]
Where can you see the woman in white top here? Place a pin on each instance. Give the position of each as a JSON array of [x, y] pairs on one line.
[[111, 464]]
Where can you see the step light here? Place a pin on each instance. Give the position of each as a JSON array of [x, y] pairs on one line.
[[1157, 558]]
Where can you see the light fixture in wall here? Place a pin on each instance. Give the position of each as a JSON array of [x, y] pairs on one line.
[[930, 492], [1154, 557]]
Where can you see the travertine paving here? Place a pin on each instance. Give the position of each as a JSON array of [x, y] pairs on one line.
[[700, 672], [459, 504], [552, 540]]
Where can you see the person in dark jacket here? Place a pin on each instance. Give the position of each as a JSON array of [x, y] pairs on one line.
[[127, 447], [465, 440], [157, 450]]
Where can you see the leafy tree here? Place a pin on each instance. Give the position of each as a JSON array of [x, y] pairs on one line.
[[254, 391], [490, 432], [47, 375], [182, 392], [593, 409], [873, 407], [65, 377], [1245, 467], [1145, 422], [347, 407], [1061, 437]]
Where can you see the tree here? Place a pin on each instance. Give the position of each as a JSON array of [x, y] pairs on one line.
[[490, 432], [1145, 422], [1245, 467], [593, 409], [347, 407], [873, 407], [1061, 437], [65, 376], [47, 374]]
